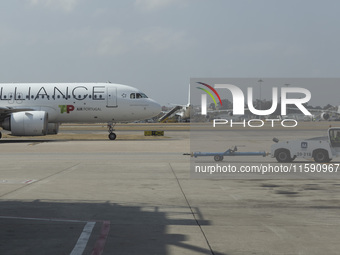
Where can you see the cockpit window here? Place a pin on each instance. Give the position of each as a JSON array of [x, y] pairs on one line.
[[138, 95], [141, 95]]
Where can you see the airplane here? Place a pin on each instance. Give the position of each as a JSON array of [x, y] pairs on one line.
[[326, 114], [37, 109], [317, 114]]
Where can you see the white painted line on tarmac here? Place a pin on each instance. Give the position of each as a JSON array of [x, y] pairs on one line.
[[42, 219], [83, 239], [29, 181]]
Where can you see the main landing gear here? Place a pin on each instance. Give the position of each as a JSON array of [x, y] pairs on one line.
[[112, 136]]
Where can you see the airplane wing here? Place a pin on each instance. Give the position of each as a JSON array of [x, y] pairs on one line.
[[321, 111], [5, 111], [224, 110], [228, 111]]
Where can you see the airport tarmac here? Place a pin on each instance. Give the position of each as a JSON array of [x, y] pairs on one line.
[[77, 195]]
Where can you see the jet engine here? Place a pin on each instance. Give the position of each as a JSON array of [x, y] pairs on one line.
[[325, 116], [52, 128], [31, 123]]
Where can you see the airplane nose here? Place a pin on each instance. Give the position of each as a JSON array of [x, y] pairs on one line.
[[155, 107]]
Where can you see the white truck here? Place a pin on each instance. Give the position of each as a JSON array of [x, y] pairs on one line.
[[321, 149]]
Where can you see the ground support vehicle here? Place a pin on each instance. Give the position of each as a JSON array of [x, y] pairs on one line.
[[218, 156], [321, 149]]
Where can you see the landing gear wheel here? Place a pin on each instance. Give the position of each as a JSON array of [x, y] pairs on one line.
[[283, 156], [0, 135], [218, 158], [112, 136], [110, 125], [321, 156]]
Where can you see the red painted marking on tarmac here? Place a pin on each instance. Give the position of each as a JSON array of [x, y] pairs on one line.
[[99, 246]]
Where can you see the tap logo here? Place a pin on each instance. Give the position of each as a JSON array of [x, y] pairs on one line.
[[66, 108]]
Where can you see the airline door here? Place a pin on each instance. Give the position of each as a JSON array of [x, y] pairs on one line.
[[111, 97]]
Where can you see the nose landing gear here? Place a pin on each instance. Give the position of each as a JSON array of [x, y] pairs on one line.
[[112, 136]]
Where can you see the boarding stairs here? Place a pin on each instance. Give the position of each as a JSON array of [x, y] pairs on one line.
[[169, 113]]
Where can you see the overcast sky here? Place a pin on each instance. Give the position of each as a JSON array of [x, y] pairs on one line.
[[158, 45]]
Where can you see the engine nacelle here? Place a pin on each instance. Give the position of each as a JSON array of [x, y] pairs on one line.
[[325, 116], [31, 123], [52, 128]]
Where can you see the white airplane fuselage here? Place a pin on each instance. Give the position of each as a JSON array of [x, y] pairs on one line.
[[76, 102]]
